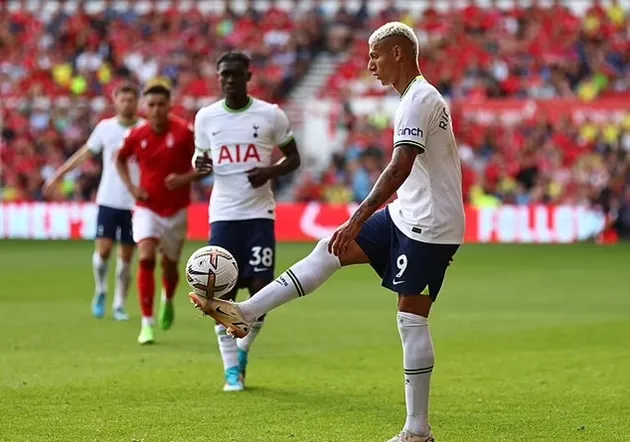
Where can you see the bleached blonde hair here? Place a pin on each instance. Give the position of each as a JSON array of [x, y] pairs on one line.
[[396, 28]]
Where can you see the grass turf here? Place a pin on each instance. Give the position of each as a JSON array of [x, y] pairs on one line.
[[531, 343]]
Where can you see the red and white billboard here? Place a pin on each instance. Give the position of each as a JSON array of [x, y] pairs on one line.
[[309, 222]]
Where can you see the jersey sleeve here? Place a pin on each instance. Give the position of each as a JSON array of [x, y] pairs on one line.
[[201, 141], [412, 124], [127, 147], [282, 133], [95, 141]]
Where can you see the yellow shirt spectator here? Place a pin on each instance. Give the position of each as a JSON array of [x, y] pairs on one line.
[[589, 132], [616, 15], [480, 200], [611, 133], [337, 195], [62, 74]]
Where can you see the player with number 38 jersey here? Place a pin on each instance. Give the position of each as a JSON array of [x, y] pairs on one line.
[[235, 138], [238, 141]]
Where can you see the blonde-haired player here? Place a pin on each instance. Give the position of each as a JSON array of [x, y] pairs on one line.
[[410, 243]]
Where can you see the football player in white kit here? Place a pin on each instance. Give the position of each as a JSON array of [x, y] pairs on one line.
[[113, 199], [235, 138], [409, 244]]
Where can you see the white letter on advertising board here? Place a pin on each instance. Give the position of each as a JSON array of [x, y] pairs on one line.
[[18, 215], [88, 221], [563, 224], [526, 234], [507, 224], [38, 221], [541, 224], [2, 232], [59, 221], [485, 226]]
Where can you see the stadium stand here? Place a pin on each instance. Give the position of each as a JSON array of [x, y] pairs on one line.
[[60, 60]]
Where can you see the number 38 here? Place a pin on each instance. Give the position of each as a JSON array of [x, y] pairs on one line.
[[262, 256]]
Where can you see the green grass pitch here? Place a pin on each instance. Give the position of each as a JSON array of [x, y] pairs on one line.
[[532, 343]]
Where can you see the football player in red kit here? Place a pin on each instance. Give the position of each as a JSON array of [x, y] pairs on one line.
[[163, 149]]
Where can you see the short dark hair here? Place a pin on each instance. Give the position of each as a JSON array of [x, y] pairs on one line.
[[234, 56], [127, 88], [157, 86]]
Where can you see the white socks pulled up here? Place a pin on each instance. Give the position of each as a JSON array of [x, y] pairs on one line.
[[299, 280], [418, 359], [100, 268]]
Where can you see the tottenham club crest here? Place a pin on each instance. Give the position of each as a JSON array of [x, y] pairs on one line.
[[256, 131]]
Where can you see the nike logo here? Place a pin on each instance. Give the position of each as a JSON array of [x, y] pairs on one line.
[[218, 310], [397, 282], [215, 133], [260, 269]]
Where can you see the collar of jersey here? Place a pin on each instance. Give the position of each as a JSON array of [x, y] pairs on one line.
[[127, 125], [419, 77], [236, 111]]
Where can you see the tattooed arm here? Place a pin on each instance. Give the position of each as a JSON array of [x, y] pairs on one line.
[[388, 183]]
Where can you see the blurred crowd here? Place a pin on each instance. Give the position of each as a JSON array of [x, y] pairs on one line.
[[534, 51], [58, 66]]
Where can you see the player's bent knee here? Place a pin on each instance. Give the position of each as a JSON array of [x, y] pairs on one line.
[[416, 304], [126, 253], [354, 254], [147, 248], [104, 247], [168, 266]]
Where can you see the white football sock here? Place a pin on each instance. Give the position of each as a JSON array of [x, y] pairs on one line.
[[418, 362], [245, 343], [227, 347], [300, 279], [123, 278], [100, 273], [147, 321]]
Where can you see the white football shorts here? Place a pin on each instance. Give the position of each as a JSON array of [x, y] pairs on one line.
[[169, 231]]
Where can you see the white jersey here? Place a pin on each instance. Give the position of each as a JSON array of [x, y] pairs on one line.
[[430, 206], [107, 137], [239, 141]]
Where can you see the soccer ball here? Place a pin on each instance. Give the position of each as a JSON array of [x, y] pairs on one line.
[[211, 272]]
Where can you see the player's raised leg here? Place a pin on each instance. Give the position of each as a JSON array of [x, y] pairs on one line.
[[147, 251], [299, 280], [123, 266], [100, 267]]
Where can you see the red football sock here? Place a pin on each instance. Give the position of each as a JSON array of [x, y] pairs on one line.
[[146, 286], [169, 282]]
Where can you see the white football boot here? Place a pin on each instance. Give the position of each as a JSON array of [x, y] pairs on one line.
[[405, 436], [226, 313]]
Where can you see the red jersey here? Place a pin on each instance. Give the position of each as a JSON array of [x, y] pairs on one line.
[[158, 156]]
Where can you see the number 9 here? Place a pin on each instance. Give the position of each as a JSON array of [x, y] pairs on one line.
[[401, 263]]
